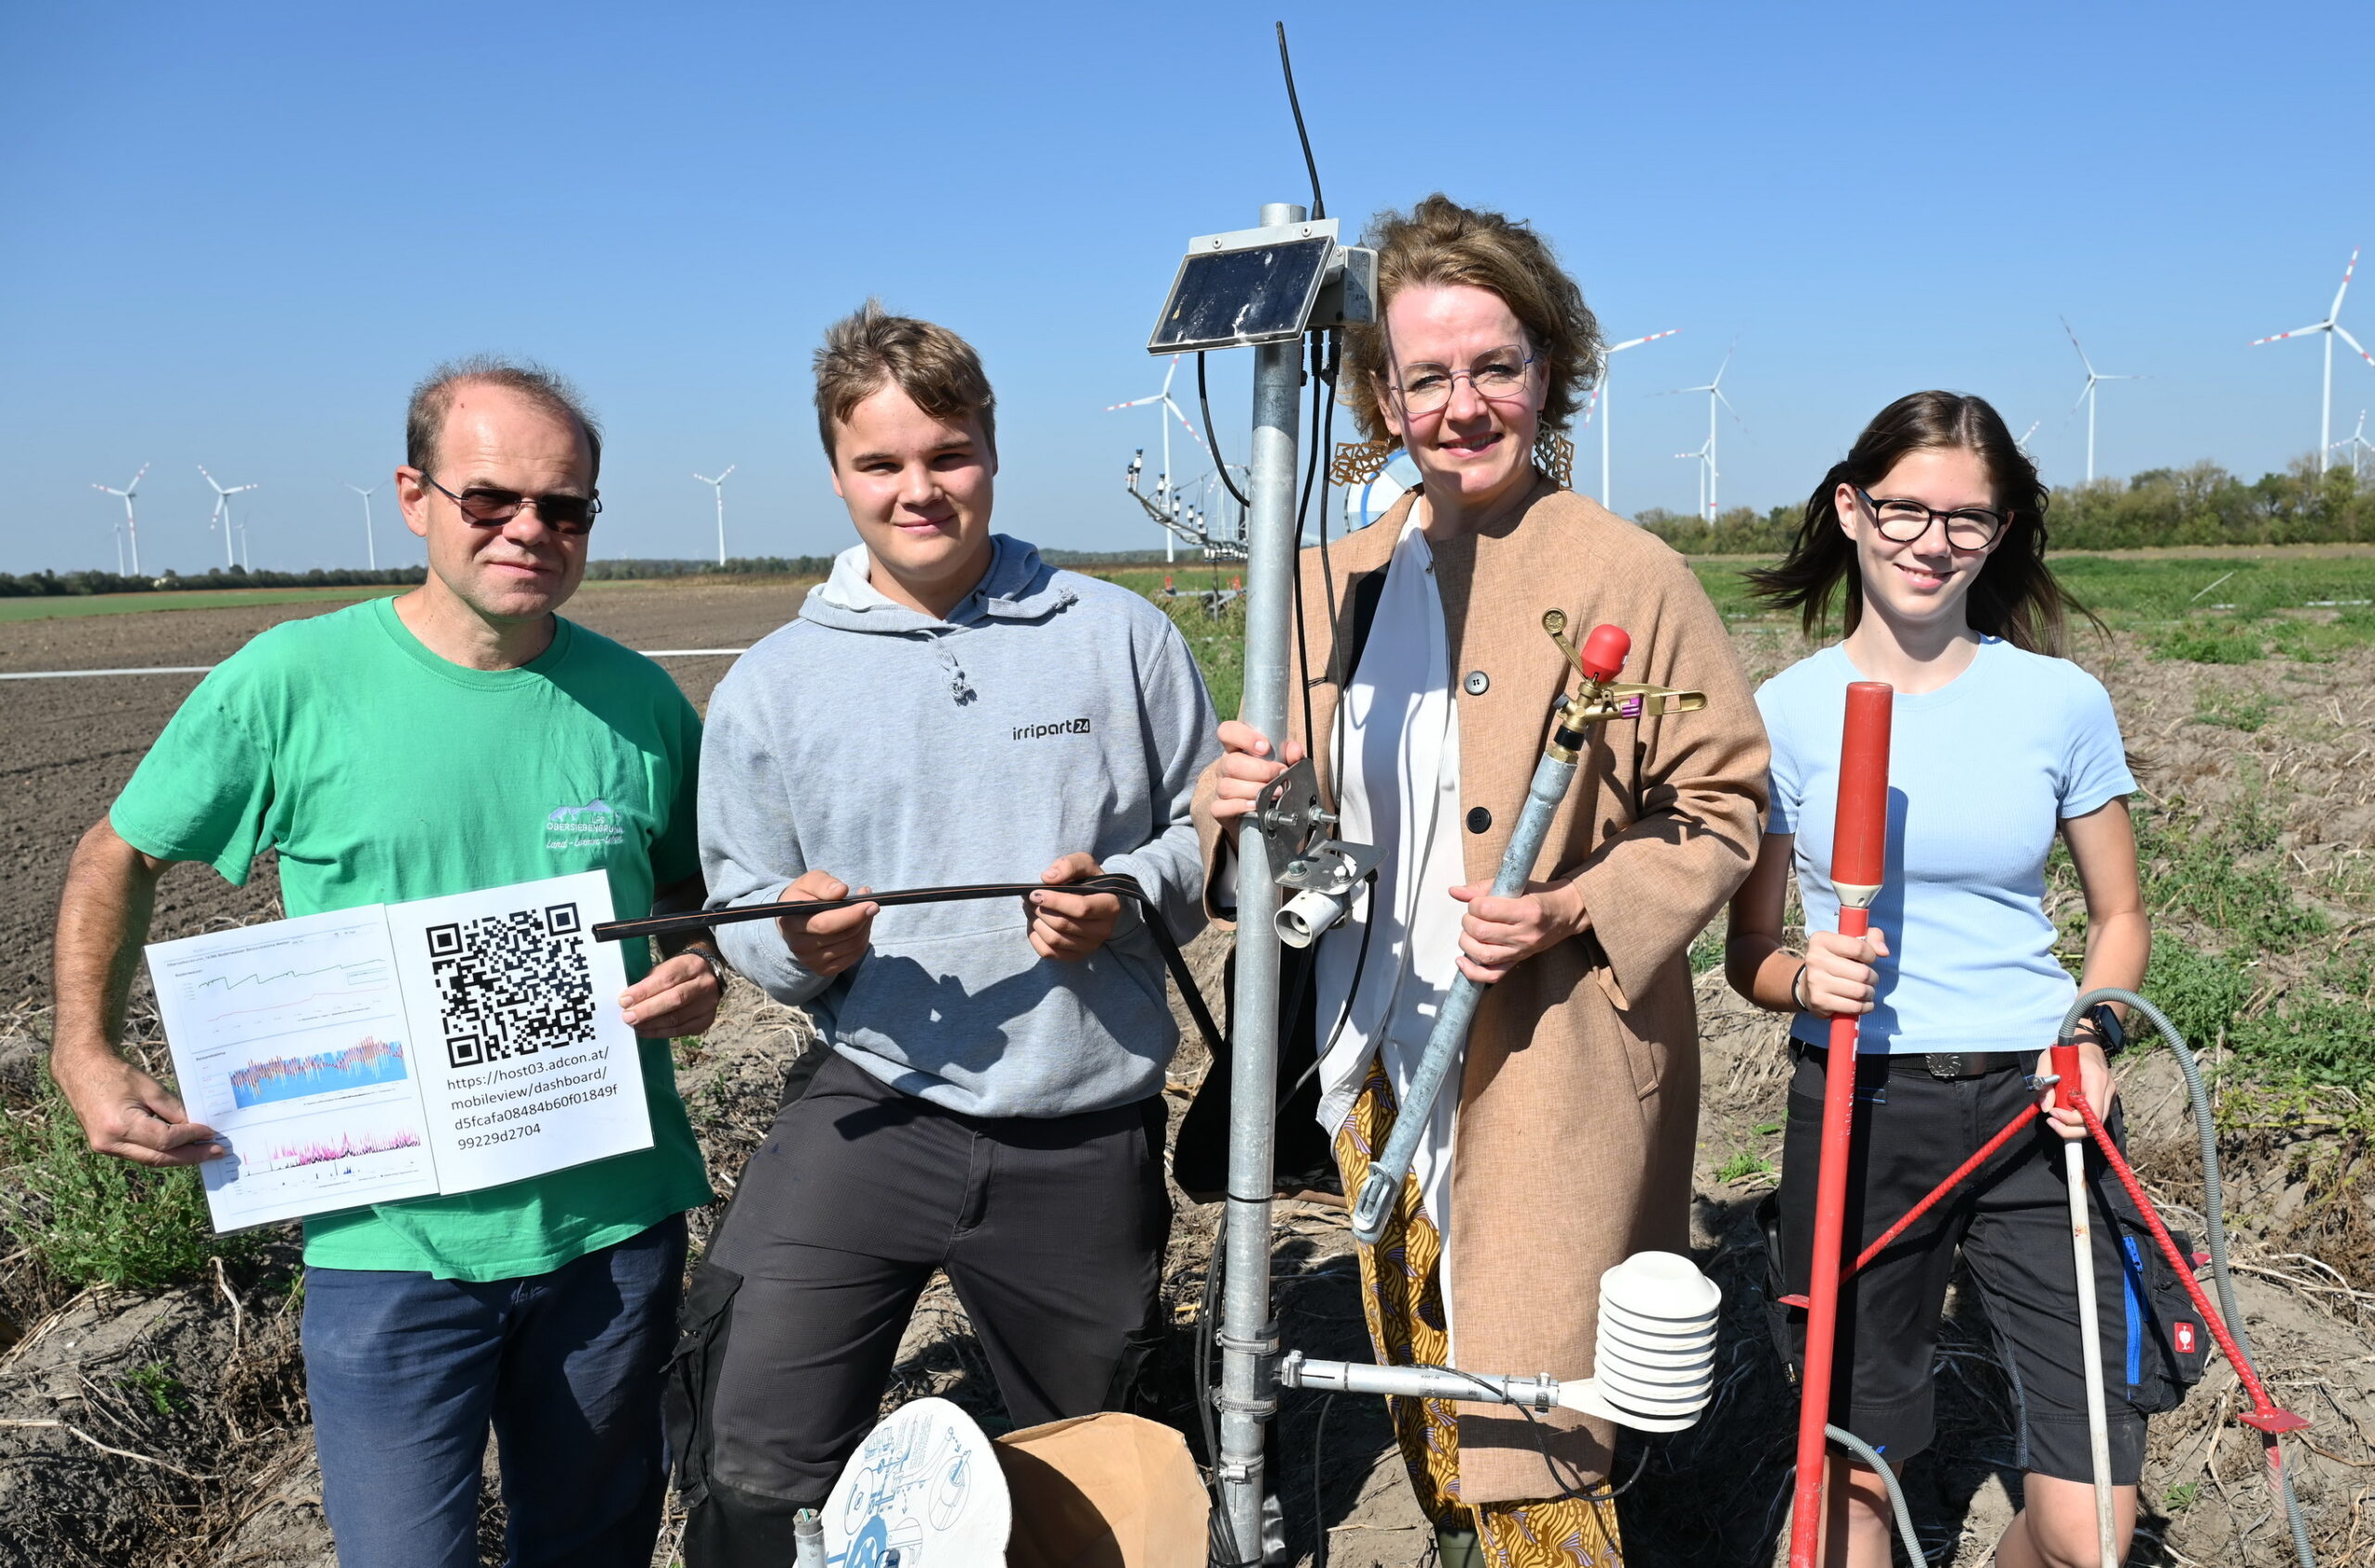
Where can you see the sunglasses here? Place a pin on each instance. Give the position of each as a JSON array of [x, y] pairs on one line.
[[482, 506]]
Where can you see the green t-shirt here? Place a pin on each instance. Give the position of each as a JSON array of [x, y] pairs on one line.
[[381, 772]]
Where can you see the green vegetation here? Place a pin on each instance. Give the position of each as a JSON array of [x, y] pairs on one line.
[[2249, 714], [154, 1382], [2201, 505], [122, 604], [1745, 1165], [93, 1219]]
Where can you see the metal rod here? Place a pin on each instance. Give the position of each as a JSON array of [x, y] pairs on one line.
[[1859, 855], [2090, 1344], [1379, 1192], [1418, 1383], [1248, 1338]]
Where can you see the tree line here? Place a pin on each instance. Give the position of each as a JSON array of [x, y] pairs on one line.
[[2200, 505]]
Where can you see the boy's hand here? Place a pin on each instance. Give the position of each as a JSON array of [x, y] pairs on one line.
[[1072, 925], [832, 942]]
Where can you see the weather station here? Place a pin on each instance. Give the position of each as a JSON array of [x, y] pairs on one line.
[[1285, 289]]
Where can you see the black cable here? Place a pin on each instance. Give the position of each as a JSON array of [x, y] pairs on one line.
[[1318, 1502], [1567, 1489], [1302, 517], [1112, 882], [1211, 440], [1318, 206]]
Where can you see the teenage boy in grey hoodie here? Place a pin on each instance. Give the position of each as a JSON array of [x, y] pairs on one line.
[[947, 709]]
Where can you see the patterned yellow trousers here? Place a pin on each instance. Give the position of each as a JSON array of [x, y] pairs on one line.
[[1402, 1299]]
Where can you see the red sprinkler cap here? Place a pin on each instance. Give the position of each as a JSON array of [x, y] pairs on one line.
[[1861, 840], [1604, 652]]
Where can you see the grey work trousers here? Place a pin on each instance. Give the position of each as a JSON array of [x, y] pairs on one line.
[[1052, 1232]]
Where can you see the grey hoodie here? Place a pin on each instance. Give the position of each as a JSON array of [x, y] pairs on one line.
[[1051, 713]]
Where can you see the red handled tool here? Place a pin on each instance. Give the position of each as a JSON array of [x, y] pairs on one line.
[[1858, 859]]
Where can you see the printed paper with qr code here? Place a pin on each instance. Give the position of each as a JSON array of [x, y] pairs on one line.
[[396, 1050], [526, 1065]]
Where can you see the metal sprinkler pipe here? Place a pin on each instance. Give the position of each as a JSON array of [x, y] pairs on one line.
[[1599, 661], [1249, 1338], [1858, 863]]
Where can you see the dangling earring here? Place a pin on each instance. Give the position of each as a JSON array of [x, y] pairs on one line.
[[1357, 462], [1555, 455]]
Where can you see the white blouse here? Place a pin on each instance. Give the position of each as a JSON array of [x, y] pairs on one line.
[[1398, 788]]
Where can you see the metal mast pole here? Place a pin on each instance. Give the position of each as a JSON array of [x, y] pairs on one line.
[[1603, 435], [2326, 407], [1249, 1338]]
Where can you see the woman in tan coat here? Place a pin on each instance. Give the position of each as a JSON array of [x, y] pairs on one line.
[[1432, 681]]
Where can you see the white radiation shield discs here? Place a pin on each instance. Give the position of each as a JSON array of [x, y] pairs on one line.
[[924, 1484]]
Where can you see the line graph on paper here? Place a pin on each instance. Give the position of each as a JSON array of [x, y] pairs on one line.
[[270, 999], [360, 1155]]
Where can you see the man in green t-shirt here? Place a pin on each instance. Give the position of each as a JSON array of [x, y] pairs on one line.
[[460, 737]]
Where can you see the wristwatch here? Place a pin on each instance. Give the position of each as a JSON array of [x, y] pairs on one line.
[[716, 964], [2108, 1031]]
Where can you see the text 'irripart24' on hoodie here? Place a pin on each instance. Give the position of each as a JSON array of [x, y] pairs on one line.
[[1049, 713]]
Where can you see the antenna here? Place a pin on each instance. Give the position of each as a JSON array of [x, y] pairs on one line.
[[370, 545], [131, 525], [223, 511], [718, 484], [2086, 394], [1287, 67], [2331, 328]]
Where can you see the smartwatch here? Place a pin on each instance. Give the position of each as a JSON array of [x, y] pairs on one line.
[[2108, 1031]]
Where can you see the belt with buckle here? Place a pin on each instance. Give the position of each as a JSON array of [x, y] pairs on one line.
[[1947, 1065]]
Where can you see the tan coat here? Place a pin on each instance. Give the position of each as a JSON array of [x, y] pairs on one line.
[[1579, 1100]]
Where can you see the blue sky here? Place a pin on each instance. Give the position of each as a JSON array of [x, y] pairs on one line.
[[237, 233]]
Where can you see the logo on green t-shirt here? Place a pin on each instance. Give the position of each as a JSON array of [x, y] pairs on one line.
[[594, 825]]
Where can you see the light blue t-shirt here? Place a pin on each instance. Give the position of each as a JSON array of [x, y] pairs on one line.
[[1982, 772]]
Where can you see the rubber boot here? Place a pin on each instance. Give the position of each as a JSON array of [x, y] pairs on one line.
[[1457, 1547]]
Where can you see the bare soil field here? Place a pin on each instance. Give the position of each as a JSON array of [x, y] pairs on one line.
[[169, 1427], [67, 746]]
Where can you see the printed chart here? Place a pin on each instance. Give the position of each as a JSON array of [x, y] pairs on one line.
[[294, 1048]]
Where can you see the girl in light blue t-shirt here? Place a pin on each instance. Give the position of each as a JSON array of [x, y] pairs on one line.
[[1932, 534]]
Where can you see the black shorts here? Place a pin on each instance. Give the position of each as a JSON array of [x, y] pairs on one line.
[[2012, 1219]]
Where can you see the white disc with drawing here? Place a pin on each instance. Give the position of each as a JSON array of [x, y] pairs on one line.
[[922, 1491]]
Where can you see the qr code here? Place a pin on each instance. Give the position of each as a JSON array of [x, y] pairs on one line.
[[512, 984]]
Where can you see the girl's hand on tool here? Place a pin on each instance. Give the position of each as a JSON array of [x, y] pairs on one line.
[[1072, 925], [1498, 934], [1840, 976], [2094, 1080], [832, 942], [1246, 765], [679, 996]]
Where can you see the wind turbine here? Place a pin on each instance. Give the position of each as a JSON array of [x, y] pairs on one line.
[[1599, 399], [2087, 394], [131, 524], [718, 484], [2357, 443], [223, 512], [2332, 328], [2023, 445], [1706, 455], [1163, 488], [370, 544]]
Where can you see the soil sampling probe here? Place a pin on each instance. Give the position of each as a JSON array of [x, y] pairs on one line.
[[1858, 869]]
